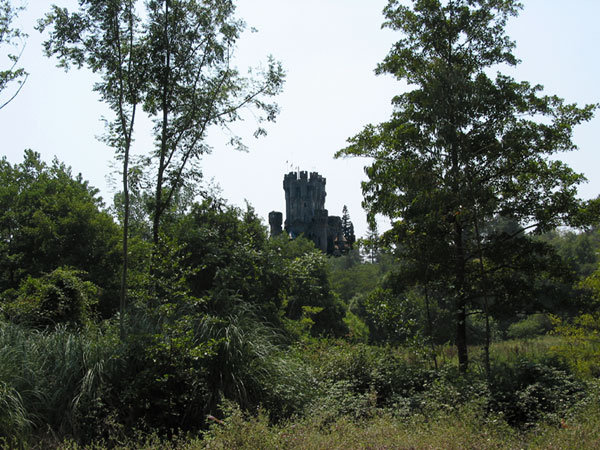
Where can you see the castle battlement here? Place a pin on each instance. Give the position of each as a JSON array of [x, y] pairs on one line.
[[306, 214], [303, 177]]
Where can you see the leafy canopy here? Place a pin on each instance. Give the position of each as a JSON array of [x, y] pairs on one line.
[[464, 147]]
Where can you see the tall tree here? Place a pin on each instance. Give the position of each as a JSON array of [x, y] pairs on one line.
[[177, 62], [370, 245], [194, 85], [11, 37], [105, 37], [464, 147], [348, 228], [48, 219]]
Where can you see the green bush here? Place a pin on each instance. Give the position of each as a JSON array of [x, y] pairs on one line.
[[358, 330], [526, 391], [530, 327], [60, 297], [580, 344], [356, 380]]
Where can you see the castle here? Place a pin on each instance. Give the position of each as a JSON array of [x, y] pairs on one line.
[[306, 214]]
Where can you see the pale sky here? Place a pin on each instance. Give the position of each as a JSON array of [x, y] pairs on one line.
[[329, 49]]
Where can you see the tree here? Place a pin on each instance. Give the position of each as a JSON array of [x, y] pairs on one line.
[[348, 228], [177, 63], [104, 36], [232, 262], [11, 37], [194, 86], [370, 245], [463, 148], [579, 249], [49, 219]]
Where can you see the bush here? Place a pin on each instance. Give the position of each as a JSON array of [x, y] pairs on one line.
[[580, 344], [358, 330], [357, 380], [60, 297], [530, 327], [525, 391]]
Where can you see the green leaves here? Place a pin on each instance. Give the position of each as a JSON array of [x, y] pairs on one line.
[[11, 37], [60, 297], [50, 219], [461, 149]]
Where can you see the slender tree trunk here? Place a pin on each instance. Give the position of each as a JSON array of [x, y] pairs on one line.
[[126, 214], [123, 302], [158, 204], [430, 326], [485, 298], [127, 131], [459, 270], [451, 137], [460, 302], [461, 337]]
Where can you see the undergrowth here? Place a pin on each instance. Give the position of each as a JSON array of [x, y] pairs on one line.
[[60, 389]]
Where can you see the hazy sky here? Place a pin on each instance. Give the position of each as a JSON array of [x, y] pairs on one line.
[[329, 49]]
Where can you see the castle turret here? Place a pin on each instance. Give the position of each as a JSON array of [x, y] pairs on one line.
[[304, 196], [318, 232], [305, 213], [275, 221]]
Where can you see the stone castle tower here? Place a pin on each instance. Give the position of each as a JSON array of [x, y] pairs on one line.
[[305, 213]]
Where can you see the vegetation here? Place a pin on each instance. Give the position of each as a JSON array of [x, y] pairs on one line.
[[231, 339], [463, 167], [11, 39]]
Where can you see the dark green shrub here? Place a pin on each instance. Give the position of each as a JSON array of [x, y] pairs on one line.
[[526, 391], [60, 297], [356, 379]]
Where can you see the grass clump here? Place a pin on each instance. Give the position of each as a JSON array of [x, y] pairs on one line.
[[52, 380]]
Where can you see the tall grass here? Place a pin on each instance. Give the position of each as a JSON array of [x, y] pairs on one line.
[[50, 380], [463, 428], [250, 367]]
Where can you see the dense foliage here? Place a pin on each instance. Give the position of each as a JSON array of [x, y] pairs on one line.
[[50, 219], [230, 338], [465, 165]]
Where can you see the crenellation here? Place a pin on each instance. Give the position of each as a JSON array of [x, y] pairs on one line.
[[306, 214]]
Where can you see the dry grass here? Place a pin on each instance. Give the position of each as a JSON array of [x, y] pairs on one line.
[[462, 429]]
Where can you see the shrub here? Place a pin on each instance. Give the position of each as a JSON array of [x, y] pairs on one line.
[[357, 380], [60, 297], [358, 330], [526, 391], [580, 344], [530, 327]]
